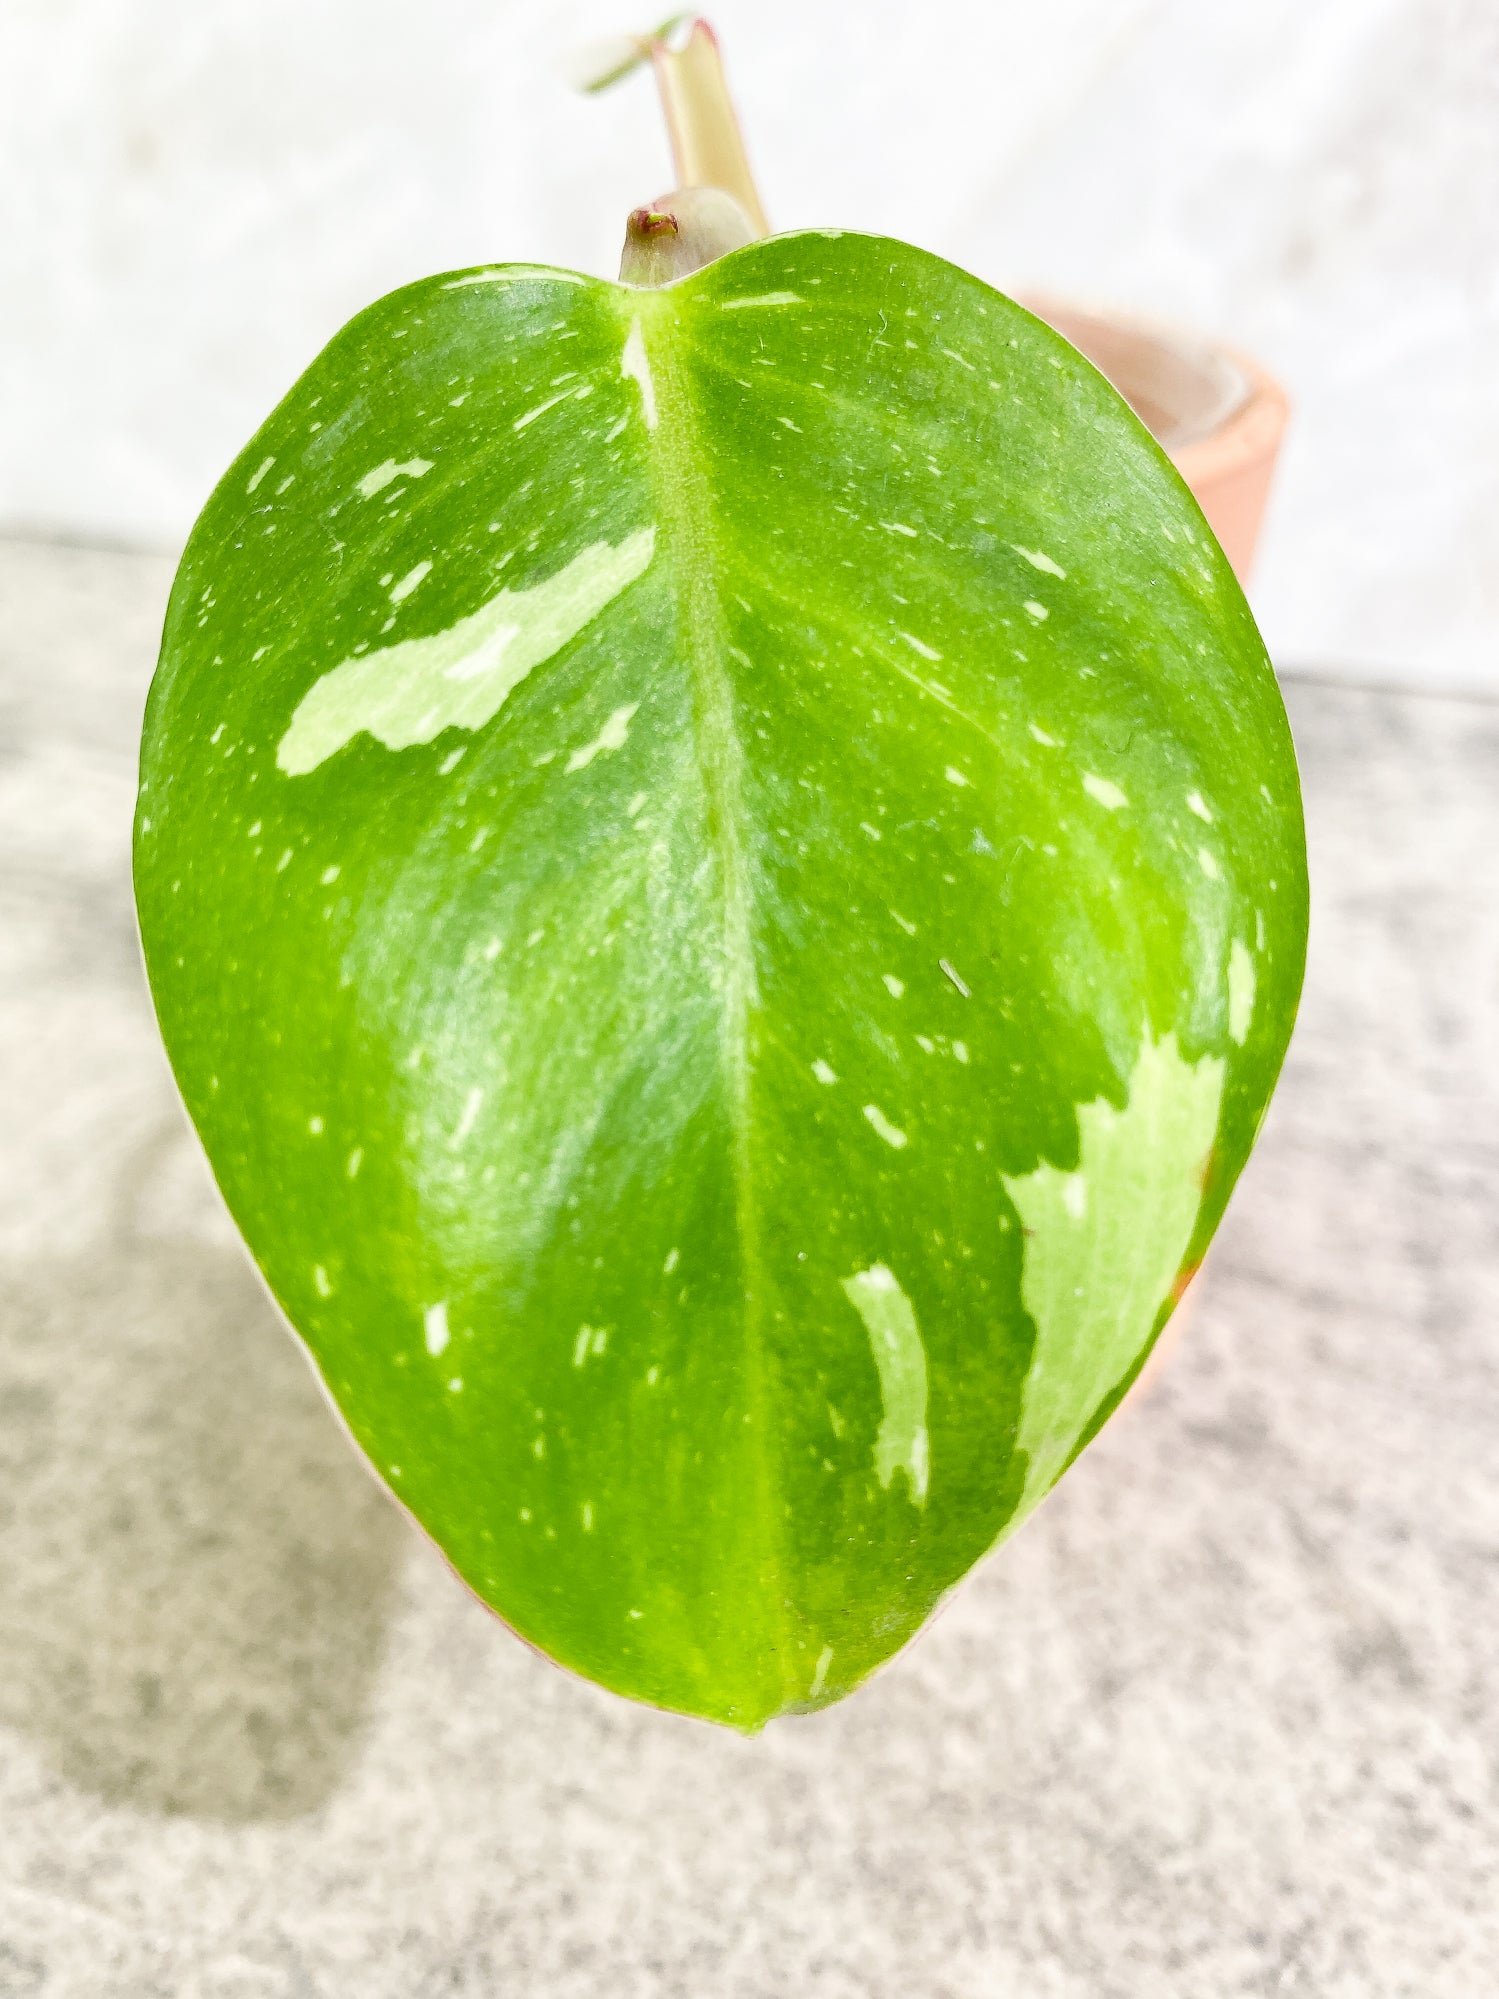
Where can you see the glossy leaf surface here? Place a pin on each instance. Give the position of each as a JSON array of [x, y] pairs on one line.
[[722, 873]]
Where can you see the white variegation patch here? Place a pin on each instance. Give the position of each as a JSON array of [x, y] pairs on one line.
[[1241, 989], [1104, 1245], [635, 366], [895, 1341], [458, 678]]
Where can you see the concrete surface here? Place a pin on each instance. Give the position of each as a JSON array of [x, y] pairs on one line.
[[194, 198], [1221, 1721]]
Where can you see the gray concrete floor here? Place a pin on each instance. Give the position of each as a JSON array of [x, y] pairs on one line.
[[1222, 1720]]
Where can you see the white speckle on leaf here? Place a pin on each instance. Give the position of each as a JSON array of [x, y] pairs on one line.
[[1037, 611], [259, 473], [402, 590], [898, 527], [960, 1051], [1046, 742], [329, 876], [1108, 794], [764, 298], [387, 473], [435, 1328], [541, 409], [891, 1133], [590, 1340], [1208, 862], [356, 1160], [918, 645], [472, 1104], [954, 978], [673, 1258], [315, 1126], [320, 1281], [611, 737], [1038, 560], [820, 1676], [1198, 804], [894, 986], [824, 1071], [954, 775]]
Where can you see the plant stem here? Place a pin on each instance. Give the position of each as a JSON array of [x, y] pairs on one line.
[[706, 142]]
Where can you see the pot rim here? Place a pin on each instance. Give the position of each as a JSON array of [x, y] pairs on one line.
[[1246, 407]]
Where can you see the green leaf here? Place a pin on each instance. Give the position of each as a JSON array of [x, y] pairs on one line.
[[723, 877]]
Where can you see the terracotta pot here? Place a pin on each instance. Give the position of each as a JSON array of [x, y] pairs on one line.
[[1218, 414], [1221, 418]]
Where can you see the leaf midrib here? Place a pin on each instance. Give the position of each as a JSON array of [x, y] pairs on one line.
[[684, 496]]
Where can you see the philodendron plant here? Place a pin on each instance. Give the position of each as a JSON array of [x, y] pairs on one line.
[[721, 866]]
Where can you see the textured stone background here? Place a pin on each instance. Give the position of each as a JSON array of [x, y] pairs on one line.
[[193, 197], [1220, 1723]]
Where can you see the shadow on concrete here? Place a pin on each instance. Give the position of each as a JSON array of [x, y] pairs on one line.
[[195, 1570]]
